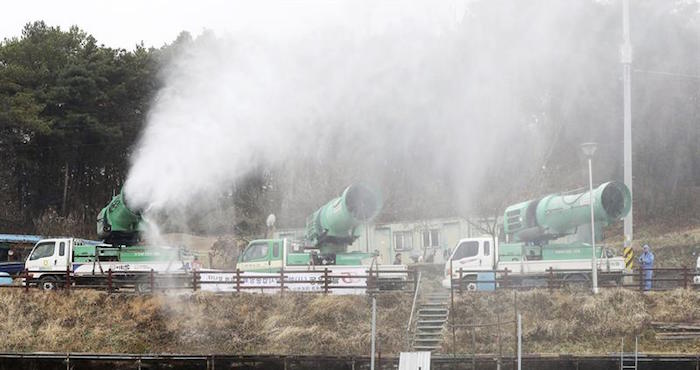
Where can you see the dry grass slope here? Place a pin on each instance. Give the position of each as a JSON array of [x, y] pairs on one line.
[[570, 322], [87, 321], [562, 322]]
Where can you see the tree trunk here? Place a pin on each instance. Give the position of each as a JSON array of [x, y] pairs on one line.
[[65, 189]]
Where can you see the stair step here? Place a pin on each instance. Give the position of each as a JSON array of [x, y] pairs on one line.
[[435, 336], [431, 322], [433, 315], [425, 348], [430, 325], [429, 329], [432, 310], [432, 340], [432, 331]]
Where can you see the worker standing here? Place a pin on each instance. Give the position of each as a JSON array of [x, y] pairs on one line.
[[647, 263]]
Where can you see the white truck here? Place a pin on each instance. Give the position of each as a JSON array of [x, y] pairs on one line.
[[548, 237], [51, 259], [478, 258], [263, 262]]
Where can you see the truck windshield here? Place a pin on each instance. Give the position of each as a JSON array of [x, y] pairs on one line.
[[43, 250], [466, 249], [255, 251]]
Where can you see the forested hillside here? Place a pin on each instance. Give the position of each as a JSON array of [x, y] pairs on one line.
[[72, 110]]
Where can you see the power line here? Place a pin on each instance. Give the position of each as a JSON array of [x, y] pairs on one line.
[[664, 73]]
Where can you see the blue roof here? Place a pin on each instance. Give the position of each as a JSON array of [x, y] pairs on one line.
[[18, 238]]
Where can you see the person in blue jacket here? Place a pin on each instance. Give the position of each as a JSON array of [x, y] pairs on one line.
[[647, 263]]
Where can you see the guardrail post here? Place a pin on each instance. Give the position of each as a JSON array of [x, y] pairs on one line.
[[685, 277], [415, 280], [282, 281], [109, 281], [325, 280], [67, 279], [641, 279], [370, 281], [194, 281], [505, 277], [550, 278], [26, 280], [238, 280], [460, 280], [152, 281]]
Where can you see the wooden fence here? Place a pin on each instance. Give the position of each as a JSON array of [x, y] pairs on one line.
[[232, 281], [662, 279]]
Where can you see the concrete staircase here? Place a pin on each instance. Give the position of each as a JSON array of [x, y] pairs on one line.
[[432, 316]]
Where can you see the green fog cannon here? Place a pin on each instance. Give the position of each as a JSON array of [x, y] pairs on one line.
[[118, 224], [332, 227], [557, 215]]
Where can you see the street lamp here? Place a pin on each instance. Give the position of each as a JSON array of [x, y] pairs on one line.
[[588, 151]]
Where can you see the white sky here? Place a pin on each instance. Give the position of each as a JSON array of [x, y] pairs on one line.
[[125, 23]]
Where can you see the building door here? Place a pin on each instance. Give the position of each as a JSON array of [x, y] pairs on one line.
[[382, 243]]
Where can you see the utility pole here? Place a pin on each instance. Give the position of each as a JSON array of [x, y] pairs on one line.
[[374, 331], [520, 343], [626, 60], [589, 150]]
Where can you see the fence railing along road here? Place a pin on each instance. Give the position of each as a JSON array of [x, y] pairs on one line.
[[315, 281], [663, 278]]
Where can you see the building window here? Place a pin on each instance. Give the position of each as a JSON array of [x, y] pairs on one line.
[[431, 238], [403, 241]]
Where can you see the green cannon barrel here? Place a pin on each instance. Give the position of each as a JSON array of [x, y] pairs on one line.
[[117, 223], [333, 225], [557, 215]]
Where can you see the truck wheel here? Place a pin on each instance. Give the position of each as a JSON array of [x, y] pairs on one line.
[[576, 281], [48, 283], [143, 287]]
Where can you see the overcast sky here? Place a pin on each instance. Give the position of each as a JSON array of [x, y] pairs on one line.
[[125, 23]]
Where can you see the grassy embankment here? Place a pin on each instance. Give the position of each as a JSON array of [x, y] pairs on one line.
[[575, 322], [562, 322], [89, 321], [677, 248]]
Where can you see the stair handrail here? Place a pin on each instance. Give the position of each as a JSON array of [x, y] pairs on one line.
[[413, 307]]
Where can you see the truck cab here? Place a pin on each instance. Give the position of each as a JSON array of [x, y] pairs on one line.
[[50, 255], [474, 254], [262, 256], [272, 255], [50, 258]]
